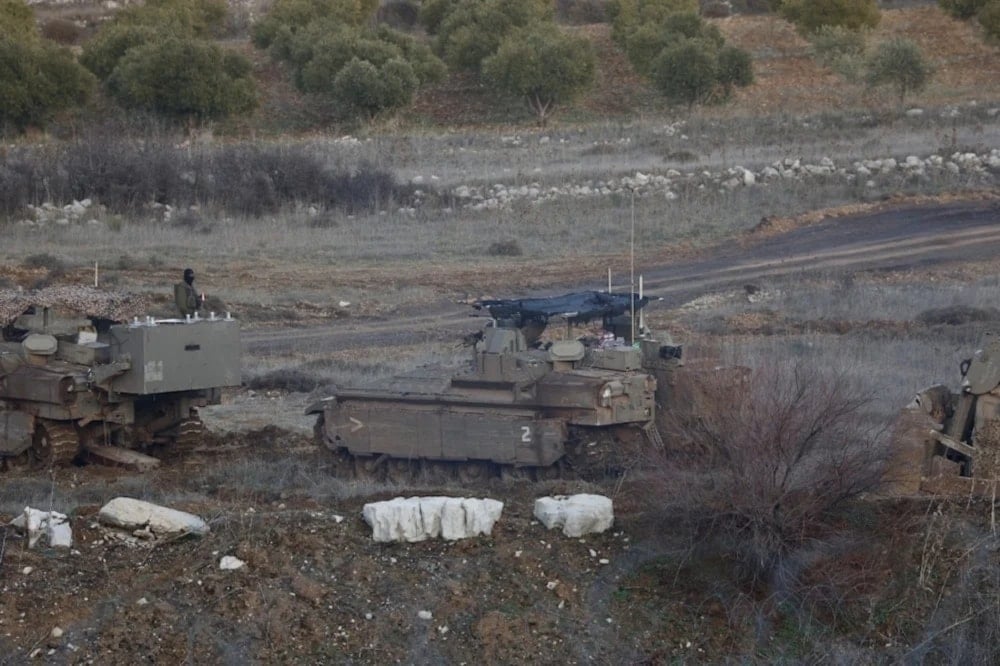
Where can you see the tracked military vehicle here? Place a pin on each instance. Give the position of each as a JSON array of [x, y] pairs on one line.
[[949, 441], [81, 372], [523, 407]]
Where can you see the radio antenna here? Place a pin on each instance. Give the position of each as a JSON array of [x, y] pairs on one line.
[[631, 261]]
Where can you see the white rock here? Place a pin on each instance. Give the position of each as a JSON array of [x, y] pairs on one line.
[[418, 518], [27, 570], [575, 514], [129, 513], [425, 615], [914, 113], [54, 526], [56, 632], [230, 563]]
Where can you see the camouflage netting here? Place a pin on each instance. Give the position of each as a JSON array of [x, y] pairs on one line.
[[73, 301]]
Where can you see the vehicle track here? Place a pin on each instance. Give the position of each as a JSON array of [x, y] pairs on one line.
[[903, 237]]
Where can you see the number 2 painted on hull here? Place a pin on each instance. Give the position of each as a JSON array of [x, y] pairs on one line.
[[526, 434]]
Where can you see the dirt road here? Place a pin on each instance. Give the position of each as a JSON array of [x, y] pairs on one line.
[[915, 236]]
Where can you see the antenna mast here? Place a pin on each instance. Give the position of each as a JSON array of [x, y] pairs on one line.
[[631, 260]]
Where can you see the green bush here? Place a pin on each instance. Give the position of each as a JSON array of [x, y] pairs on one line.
[[195, 18], [37, 80], [543, 65], [627, 16], [184, 79], [989, 19], [294, 15], [900, 64], [102, 53], [363, 89], [840, 49], [17, 20], [432, 13], [427, 66], [962, 9], [698, 71], [647, 42], [473, 29], [811, 15], [735, 69], [686, 72]]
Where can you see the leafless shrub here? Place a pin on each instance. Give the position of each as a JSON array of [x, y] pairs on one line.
[[399, 14], [61, 30], [286, 379], [506, 248], [127, 173], [581, 12], [759, 461], [957, 315], [45, 260]]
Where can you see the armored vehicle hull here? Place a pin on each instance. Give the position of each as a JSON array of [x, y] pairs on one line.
[[74, 383], [948, 442], [536, 410]]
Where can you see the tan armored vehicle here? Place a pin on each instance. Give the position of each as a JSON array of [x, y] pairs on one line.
[[951, 440], [81, 371], [522, 407]]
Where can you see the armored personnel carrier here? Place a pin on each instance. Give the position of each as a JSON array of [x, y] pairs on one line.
[[523, 407], [949, 441], [81, 372]]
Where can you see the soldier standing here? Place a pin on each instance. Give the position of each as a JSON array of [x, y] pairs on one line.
[[186, 296]]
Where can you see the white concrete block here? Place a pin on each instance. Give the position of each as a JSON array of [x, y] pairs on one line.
[[418, 518], [576, 514], [52, 525]]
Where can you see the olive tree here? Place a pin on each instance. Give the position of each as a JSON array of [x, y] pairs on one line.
[[900, 64], [627, 16], [37, 80], [472, 29], [698, 71], [290, 16], [989, 19], [647, 42], [543, 65], [186, 79], [361, 88]]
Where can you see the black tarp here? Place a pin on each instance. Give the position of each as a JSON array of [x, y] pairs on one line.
[[577, 307]]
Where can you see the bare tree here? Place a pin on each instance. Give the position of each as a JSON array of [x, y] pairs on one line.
[[759, 461]]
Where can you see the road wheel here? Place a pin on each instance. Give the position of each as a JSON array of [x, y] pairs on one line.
[[513, 474], [437, 472], [473, 473], [399, 471], [54, 444], [16, 463], [190, 434], [551, 472], [369, 468]]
